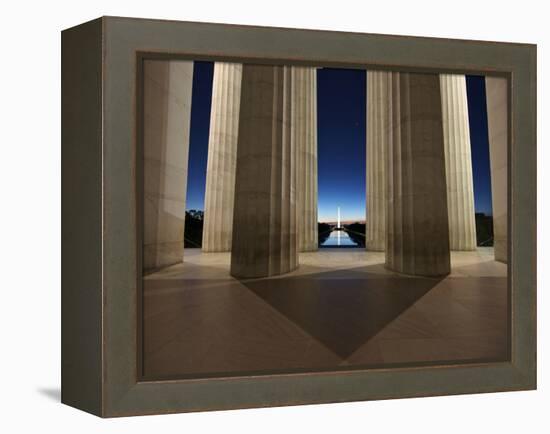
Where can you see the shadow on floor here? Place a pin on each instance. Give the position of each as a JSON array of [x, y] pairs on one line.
[[342, 309]]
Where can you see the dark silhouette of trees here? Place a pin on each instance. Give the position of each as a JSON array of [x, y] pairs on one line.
[[324, 230], [356, 232], [484, 229], [193, 228], [194, 223]]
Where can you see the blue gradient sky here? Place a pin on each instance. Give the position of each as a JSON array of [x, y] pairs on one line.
[[481, 166], [341, 132], [203, 73], [341, 110]]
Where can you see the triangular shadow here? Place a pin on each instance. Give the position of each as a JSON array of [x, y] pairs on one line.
[[342, 309]]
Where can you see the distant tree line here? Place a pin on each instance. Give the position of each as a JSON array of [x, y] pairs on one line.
[[324, 230], [356, 232], [484, 230], [194, 223], [193, 228]]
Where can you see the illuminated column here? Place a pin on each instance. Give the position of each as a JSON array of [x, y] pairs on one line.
[[458, 162], [264, 224], [167, 114], [417, 221], [497, 120], [304, 137], [222, 156], [378, 133]]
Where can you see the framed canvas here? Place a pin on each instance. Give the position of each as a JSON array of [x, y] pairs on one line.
[[258, 216]]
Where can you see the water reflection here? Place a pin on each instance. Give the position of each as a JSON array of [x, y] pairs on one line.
[[339, 239]]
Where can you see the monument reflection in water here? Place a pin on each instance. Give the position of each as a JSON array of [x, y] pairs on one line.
[[339, 238]]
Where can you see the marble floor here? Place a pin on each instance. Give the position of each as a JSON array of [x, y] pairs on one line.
[[339, 310]]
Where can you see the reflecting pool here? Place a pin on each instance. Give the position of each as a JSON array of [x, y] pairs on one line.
[[339, 239]]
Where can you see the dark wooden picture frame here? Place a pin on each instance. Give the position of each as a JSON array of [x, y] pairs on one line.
[[101, 270]]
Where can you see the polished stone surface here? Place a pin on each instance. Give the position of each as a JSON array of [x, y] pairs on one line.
[[304, 138], [264, 223], [222, 157], [417, 223], [379, 129], [342, 308], [497, 123], [458, 162], [166, 123]]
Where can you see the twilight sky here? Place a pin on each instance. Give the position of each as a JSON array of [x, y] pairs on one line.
[[341, 126]]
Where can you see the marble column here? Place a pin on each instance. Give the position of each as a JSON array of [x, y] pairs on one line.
[[167, 115], [378, 133], [497, 119], [222, 157], [417, 222], [458, 162], [304, 137], [264, 223]]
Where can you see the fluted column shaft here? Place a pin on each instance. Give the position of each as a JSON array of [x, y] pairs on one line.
[[166, 122], [304, 137], [458, 162], [417, 221], [264, 223], [222, 156], [378, 132], [497, 121]]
